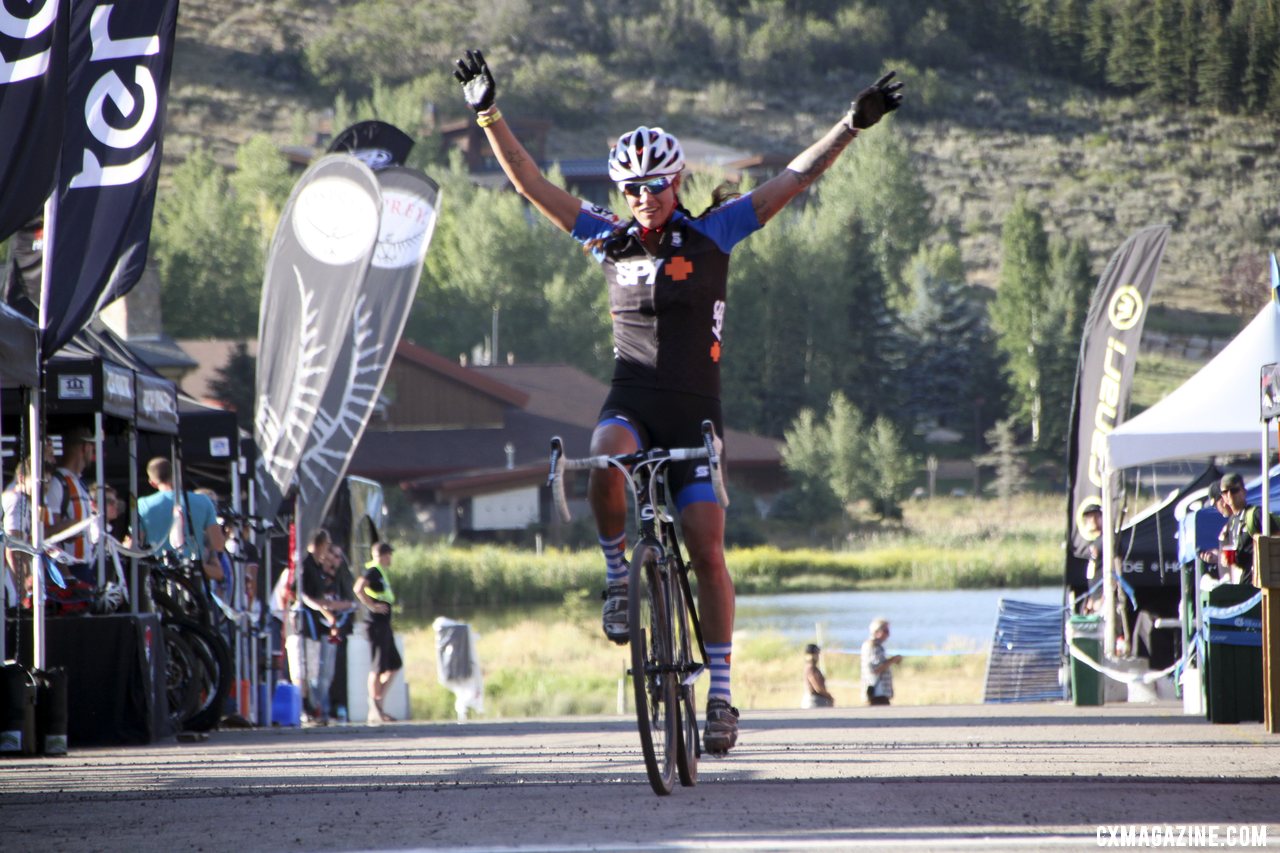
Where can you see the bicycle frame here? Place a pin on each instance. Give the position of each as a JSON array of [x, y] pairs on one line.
[[681, 660]]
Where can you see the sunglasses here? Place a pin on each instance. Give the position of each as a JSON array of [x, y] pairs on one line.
[[653, 185]]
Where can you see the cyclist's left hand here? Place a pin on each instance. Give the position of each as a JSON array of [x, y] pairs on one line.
[[477, 81], [874, 102]]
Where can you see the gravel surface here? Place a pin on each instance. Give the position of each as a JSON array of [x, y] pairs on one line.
[[1043, 776]]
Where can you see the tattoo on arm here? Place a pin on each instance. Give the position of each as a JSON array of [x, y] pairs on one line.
[[515, 157]]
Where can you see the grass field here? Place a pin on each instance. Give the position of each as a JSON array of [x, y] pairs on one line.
[[546, 656]]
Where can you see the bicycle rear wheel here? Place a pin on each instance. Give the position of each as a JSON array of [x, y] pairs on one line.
[[687, 748], [652, 674], [215, 676]]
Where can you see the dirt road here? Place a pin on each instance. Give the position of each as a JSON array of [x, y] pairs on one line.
[[1041, 776]]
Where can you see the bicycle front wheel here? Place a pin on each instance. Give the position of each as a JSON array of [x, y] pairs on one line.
[[683, 645], [652, 673]]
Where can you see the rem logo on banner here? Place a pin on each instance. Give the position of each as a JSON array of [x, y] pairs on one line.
[[75, 387], [30, 59], [112, 97]]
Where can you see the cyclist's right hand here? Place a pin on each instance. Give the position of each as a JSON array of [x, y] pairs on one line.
[[477, 81]]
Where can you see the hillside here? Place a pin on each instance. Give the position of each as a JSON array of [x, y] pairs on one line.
[[1097, 167]]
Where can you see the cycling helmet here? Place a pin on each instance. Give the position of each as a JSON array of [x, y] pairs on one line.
[[646, 152]]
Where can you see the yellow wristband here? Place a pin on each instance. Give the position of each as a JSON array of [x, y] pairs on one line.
[[487, 118]]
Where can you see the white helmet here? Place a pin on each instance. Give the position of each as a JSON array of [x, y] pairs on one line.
[[645, 152]]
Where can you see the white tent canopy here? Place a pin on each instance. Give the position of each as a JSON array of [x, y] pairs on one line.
[[1215, 412]]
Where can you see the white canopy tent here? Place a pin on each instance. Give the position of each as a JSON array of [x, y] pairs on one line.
[[1215, 412]]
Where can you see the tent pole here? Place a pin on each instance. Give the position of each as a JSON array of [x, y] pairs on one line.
[[99, 495], [36, 467], [1108, 560], [135, 594], [1266, 480]]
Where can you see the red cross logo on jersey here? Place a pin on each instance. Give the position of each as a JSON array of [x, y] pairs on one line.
[[679, 268]]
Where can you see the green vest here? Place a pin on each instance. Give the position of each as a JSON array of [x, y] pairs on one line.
[[386, 596]]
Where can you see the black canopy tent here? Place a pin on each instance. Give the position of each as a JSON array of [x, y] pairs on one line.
[[19, 369], [1147, 547]]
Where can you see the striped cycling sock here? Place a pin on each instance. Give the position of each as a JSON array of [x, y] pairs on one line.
[[615, 565], [718, 655]]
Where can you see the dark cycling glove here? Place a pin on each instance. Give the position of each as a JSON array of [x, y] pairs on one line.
[[873, 102], [477, 83]]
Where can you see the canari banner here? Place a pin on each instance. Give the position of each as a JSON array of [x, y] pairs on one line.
[[1108, 352], [33, 92], [410, 203], [315, 271], [98, 221]]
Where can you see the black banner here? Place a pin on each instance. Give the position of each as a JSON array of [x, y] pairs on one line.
[[99, 224], [1108, 352], [318, 260], [375, 143], [33, 87], [410, 203]]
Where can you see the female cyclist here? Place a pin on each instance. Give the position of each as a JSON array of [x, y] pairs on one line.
[[667, 272]]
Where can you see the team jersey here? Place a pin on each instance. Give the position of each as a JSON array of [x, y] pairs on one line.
[[668, 308]]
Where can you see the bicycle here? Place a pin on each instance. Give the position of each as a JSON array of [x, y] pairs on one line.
[[199, 675], [663, 619]]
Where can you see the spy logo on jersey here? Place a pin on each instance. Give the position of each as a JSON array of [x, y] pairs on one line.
[[702, 472], [717, 328], [638, 271]]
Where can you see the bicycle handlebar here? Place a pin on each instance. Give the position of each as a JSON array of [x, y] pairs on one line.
[[709, 451]]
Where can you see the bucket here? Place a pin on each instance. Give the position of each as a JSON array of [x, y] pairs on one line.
[[286, 705], [51, 712], [17, 711]]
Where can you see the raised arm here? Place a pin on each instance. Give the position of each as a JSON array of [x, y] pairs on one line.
[[868, 108], [480, 92]]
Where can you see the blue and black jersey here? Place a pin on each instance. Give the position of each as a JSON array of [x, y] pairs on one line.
[[668, 308]]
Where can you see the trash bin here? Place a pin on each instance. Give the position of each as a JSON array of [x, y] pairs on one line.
[[1231, 632], [1085, 633]]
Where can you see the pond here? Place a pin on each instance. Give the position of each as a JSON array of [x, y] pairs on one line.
[[923, 621]]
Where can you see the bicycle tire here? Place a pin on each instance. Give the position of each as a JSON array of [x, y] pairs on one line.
[[182, 676], [215, 684], [652, 676], [687, 745]]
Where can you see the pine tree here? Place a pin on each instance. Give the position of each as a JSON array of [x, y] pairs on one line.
[[1213, 66], [892, 469], [1130, 53], [1018, 313], [1163, 71], [1008, 459], [233, 384], [949, 351]]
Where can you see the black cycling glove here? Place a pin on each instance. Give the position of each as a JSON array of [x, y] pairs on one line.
[[477, 82], [873, 102]]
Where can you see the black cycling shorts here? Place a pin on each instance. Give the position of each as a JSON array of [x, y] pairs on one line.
[[669, 419]]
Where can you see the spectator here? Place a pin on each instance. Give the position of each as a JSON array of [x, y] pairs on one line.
[[338, 596], [69, 503], [17, 525], [816, 694], [1245, 522], [373, 589], [877, 673], [200, 534]]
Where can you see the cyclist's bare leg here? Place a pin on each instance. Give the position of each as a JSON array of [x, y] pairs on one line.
[[606, 492], [703, 525], [606, 489]]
